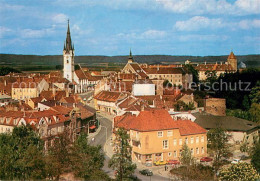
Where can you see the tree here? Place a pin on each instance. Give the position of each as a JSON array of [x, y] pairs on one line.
[[211, 76], [186, 157], [218, 144], [241, 171], [167, 84], [59, 156], [59, 67], [255, 161], [193, 71], [246, 103], [76, 67], [121, 161], [255, 93], [7, 70], [88, 160], [21, 155], [255, 112]]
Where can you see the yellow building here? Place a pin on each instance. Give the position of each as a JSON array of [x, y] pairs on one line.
[[155, 136], [28, 89]]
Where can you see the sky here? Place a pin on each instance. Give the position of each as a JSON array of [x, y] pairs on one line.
[[148, 27]]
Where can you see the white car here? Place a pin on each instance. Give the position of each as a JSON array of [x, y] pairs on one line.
[[236, 161]]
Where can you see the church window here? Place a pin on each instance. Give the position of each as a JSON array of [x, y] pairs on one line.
[[67, 61]]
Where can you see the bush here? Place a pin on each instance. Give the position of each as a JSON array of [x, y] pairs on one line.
[[241, 171], [195, 172]]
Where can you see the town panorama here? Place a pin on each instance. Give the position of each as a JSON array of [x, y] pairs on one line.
[[129, 118]]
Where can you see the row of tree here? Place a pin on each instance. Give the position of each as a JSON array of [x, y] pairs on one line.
[[22, 157]]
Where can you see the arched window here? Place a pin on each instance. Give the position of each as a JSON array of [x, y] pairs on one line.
[[67, 61]]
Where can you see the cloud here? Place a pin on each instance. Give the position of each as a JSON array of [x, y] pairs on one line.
[[10, 7], [195, 37], [247, 24], [248, 6], [199, 7], [31, 33], [4, 31], [198, 22], [59, 18], [149, 34]]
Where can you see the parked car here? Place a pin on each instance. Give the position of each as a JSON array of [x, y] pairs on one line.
[[206, 159], [160, 163], [146, 172], [236, 161], [173, 162]]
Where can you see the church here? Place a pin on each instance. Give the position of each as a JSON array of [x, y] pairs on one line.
[[80, 79]]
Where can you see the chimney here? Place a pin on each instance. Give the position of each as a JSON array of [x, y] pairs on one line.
[[142, 107]]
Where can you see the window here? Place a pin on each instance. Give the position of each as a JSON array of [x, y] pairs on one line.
[[191, 140], [202, 139], [67, 61], [180, 141], [192, 151], [169, 133], [165, 144], [197, 139], [180, 152], [197, 151], [160, 134], [186, 140], [169, 154], [174, 142], [202, 150], [175, 154]]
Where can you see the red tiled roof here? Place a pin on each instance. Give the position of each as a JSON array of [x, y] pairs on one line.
[[188, 127], [109, 96], [170, 70], [157, 119], [80, 74], [212, 67], [232, 56]]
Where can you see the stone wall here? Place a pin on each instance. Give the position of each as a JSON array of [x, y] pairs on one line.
[[215, 106]]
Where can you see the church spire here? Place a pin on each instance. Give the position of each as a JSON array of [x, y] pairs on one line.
[[130, 58], [68, 45]]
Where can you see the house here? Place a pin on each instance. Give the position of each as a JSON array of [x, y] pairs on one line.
[[5, 99], [155, 136], [106, 101], [240, 129], [28, 88]]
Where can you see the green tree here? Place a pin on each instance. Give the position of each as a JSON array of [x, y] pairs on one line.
[[246, 103], [121, 161], [218, 144], [255, 112], [255, 161], [211, 76], [59, 156], [186, 157], [6, 70], [21, 155], [88, 160], [76, 67], [166, 83], [255, 93], [193, 71], [241, 171]]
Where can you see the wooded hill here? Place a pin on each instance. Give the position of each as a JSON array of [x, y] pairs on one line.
[[53, 60]]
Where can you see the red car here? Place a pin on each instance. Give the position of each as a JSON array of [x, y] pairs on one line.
[[206, 159], [173, 162]]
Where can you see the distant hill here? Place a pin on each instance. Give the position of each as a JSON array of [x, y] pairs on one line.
[[53, 60]]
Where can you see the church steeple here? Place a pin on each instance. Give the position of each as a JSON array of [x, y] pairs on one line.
[[130, 58], [68, 45]]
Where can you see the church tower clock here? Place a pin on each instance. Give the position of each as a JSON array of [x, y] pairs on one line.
[[68, 57]]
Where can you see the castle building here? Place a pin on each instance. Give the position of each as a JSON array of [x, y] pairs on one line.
[[230, 66]]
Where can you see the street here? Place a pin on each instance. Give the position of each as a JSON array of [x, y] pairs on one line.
[[100, 139]]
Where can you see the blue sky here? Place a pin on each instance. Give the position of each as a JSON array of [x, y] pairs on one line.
[[148, 27]]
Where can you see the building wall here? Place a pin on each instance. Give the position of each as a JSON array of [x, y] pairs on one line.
[[6, 129], [68, 63], [24, 93], [151, 145], [143, 89], [175, 79], [215, 106]]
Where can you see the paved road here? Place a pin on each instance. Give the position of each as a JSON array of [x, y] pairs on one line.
[[100, 139]]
